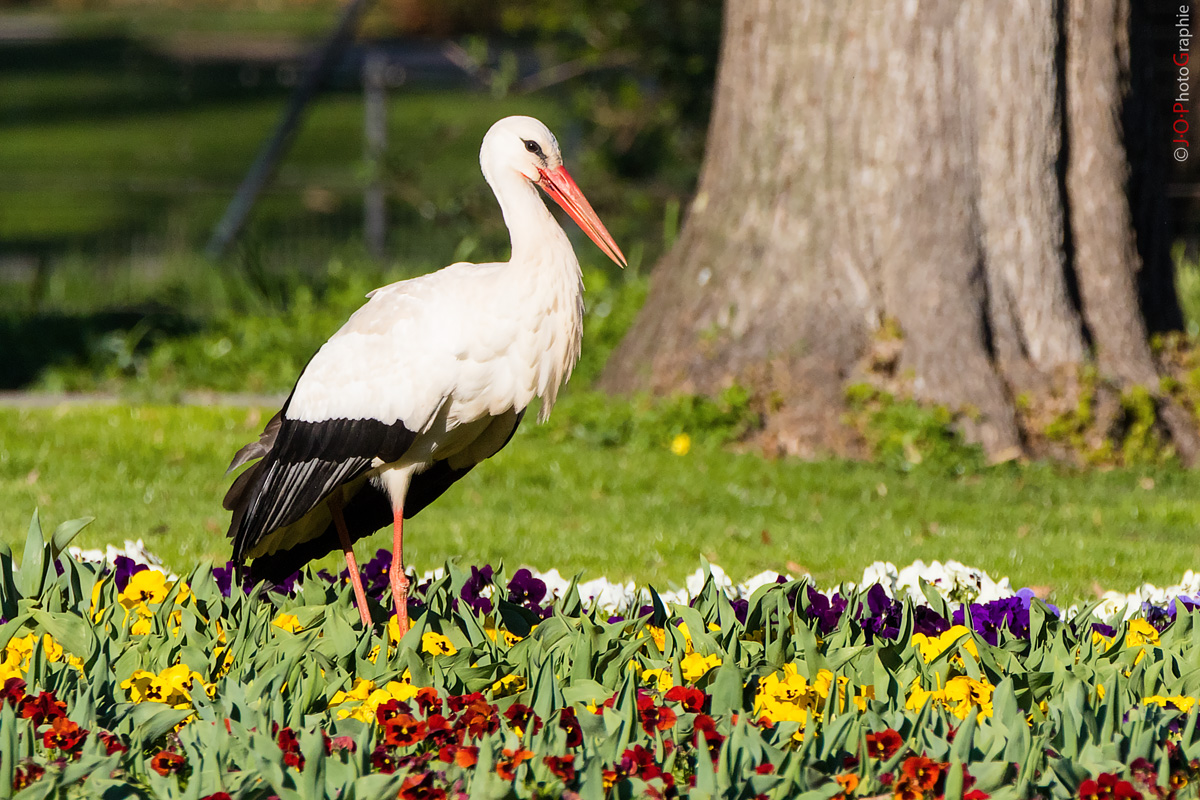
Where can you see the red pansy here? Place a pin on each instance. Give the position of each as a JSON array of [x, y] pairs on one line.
[[403, 730], [691, 698], [885, 744], [63, 735], [563, 767], [922, 770], [166, 763], [506, 767]]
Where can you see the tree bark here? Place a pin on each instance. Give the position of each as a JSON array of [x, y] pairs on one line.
[[952, 169]]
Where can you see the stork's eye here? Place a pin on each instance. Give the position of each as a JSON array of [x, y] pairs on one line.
[[533, 147]]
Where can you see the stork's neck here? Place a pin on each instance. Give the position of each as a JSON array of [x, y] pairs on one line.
[[536, 236]]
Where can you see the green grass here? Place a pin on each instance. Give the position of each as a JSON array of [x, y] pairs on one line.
[[552, 500]]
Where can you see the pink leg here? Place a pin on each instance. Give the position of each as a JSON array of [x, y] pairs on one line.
[[339, 522], [398, 579]]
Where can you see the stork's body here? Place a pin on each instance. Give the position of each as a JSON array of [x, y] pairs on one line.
[[431, 376]]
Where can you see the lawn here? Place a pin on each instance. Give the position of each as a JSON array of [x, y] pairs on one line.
[[553, 500]]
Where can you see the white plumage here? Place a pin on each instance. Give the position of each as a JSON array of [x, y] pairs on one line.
[[427, 379]]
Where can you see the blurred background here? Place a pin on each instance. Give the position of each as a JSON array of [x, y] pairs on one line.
[[126, 128]]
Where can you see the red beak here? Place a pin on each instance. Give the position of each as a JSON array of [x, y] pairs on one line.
[[559, 185]]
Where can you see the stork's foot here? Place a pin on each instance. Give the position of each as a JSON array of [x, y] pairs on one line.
[[399, 583]]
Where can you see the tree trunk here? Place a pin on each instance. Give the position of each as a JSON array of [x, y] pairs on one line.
[[951, 170]]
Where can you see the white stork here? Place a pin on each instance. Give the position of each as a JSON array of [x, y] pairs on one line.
[[431, 376]]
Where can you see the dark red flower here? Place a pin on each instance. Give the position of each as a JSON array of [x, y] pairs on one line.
[[167, 763], [640, 761], [382, 760], [26, 775], [290, 745], [506, 767], [706, 728], [390, 709], [458, 702], [403, 730], [522, 719], [885, 744], [13, 692], [654, 717], [64, 735], [765, 768], [429, 700], [907, 788], [420, 787], [570, 723], [976, 794], [1108, 786], [42, 708], [479, 718], [922, 770], [112, 744], [563, 767], [691, 698], [438, 731], [1144, 770], [286, 739], [217, 796]]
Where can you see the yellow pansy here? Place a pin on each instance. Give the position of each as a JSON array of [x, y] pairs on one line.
[[287, 622], [1140, 632], [661, 678], [786, 696], [695, 666], [147, 586], [931, 647], [508, 685], [437, 644], [173, 686], [509, 638], [864, 694], [961, 696], [681, 444], [1182, 702], [95, 610], [364, 698]]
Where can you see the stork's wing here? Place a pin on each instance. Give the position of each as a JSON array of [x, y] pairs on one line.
[[306, 461]]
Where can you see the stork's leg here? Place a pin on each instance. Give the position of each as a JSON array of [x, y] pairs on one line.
[[398, 579], [339, 522]]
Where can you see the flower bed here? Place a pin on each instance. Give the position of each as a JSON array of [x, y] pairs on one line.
[[123, 677]]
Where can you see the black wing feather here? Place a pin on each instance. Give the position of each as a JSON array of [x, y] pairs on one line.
[[367, 511], [305, 462]]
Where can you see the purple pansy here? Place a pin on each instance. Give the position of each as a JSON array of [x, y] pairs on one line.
[[125, 568], [928, 621], [472, 590], [529, 591], [826, 611], [375, 573], [882, 617], [988, 618]]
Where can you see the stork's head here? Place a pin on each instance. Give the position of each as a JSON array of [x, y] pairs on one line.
[[527, 147]]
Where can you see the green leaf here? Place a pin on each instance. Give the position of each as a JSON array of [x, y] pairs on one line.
[[33, 566], [64, 533], [152, 720]]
